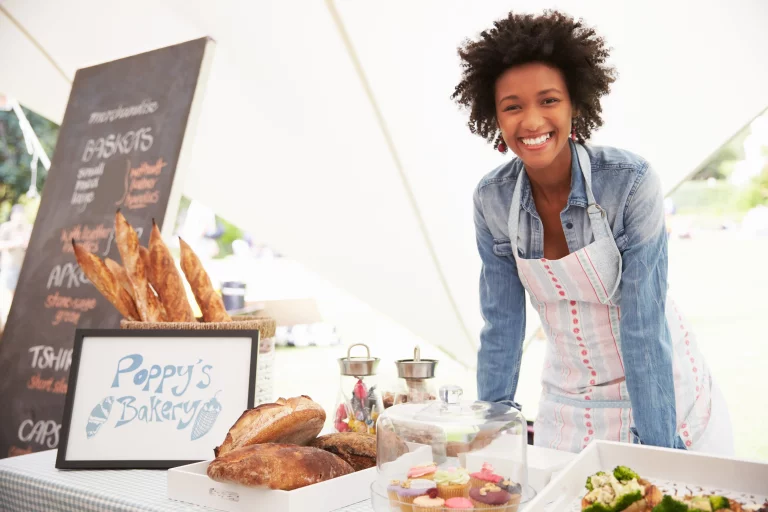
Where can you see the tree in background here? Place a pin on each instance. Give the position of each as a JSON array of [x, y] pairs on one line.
[[15, 161]]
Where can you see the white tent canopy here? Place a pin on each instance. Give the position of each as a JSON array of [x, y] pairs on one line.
[[327, 129]]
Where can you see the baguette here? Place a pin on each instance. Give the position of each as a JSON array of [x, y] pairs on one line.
[[121, 275], [147, 303], [105, 282], [210, 302], [167, 281]]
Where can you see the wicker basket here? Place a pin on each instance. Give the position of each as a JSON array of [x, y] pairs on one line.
[[266, 361]]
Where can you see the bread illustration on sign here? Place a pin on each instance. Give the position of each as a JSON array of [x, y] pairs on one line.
[[296, 420], [99, 415], [148, 287]]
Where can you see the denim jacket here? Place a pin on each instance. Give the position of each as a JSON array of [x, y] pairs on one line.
[[630, 193]]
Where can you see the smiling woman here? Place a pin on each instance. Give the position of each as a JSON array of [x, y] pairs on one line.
[[581, 229]]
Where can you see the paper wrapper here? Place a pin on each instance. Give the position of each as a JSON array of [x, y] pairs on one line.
[[453, 491], [265, 325], [417, 508], [505, 507]]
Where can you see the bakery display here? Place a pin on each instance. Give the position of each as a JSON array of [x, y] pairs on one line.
[[147, 287], [277, 466], [296, 420], [357, 450], [276, 446]]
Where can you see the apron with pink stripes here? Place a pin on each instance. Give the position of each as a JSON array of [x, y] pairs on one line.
[[584, 393]]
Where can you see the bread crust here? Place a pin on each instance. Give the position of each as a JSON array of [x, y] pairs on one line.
[[356, 449], [277, 466], [105, 282], [296, 420]]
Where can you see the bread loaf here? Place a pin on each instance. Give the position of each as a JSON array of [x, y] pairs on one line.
[[358, 450], [294, 421], [277, 466]]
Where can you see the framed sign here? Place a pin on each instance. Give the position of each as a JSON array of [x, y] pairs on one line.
[[154, 399]]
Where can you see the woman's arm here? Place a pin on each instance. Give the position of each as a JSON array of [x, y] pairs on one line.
[[646, 346], [502, 304]]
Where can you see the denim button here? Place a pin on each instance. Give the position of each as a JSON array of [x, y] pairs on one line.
[[569, 225]]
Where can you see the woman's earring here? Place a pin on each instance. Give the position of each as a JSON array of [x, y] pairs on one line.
[[573, 134], [501, 145]]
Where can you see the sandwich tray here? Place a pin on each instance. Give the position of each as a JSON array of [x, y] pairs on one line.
[[675, 472], [190, 484]]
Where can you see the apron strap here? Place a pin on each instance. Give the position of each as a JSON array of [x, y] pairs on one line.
[[597, 216]]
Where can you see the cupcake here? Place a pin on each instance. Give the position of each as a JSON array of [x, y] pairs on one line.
[[489, 496], [392, 489], [424, 472], [452, 483], [412, 489], [515, 490], [484, 476], [460, 504], [429, 503]]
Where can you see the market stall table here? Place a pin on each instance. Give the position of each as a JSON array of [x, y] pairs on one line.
[[31, 483]]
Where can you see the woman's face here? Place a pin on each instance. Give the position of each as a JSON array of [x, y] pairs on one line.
[[534, 113]]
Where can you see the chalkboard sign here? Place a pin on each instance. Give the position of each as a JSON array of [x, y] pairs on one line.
[[119, 146]]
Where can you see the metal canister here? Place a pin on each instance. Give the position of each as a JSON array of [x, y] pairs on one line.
[[359, 403], [417, 374]]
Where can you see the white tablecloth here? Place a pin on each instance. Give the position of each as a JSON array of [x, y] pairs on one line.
[[31, 483]]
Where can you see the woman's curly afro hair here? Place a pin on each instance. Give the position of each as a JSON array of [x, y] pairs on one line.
[[553, 38]]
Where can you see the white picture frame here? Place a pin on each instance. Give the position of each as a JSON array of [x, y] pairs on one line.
[[154, 399]]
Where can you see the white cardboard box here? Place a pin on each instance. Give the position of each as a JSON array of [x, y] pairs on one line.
[[191, 484], [736, 478]]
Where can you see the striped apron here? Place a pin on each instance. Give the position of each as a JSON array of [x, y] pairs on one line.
[[584, 393]]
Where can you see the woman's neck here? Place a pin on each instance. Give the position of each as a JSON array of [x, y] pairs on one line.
[[551, 185]]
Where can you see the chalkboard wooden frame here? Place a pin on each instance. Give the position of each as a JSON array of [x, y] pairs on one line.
[[178, 336]]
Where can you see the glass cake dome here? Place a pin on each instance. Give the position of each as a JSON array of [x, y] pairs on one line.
[[470, 452]]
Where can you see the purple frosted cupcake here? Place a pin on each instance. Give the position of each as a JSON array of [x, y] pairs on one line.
[[392, 489], [489, 496], [412, 489]]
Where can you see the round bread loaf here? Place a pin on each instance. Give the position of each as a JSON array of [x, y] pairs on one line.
[[277, 466], [294, 421], [358, 450]]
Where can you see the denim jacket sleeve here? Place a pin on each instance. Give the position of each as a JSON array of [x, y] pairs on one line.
[[646, 345], [502, 304]]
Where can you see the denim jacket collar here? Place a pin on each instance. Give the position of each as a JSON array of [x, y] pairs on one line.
[[578, 195]]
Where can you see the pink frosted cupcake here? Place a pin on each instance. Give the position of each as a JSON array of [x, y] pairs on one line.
[[429, 503], [423, 472], [459, 504], [484, 476]]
